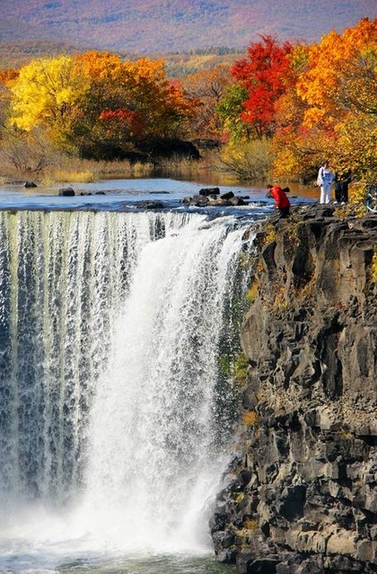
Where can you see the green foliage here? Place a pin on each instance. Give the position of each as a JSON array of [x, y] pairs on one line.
[[234, 368], [241, 365], [229, 110]]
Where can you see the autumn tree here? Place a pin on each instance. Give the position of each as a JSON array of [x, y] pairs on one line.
[[296, 148], [7, 77], [44, 94], [248, 107], [230, 109], [205, 90], [127, 104], [339, 88], [265, 76]]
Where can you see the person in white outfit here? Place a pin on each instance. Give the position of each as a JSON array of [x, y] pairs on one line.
[[325, 179]]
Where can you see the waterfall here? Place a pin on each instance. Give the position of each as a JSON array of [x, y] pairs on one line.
[[114, 418]]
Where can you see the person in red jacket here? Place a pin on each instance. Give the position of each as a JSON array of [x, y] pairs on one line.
[[282, 202]]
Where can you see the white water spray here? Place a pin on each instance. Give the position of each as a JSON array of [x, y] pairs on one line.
[[111, 331]]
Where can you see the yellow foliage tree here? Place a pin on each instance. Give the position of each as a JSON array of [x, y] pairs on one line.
[[44, 93]]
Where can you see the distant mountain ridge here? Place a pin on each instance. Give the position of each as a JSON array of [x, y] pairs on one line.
[[165, 26]]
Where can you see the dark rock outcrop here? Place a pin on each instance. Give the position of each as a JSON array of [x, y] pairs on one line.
[[301, 494], [66, 191], [209, 197], [209, 191]]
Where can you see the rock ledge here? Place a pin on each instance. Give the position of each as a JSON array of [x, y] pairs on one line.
[[300, 495]]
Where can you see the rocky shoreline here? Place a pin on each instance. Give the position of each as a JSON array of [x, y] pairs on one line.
[[300, 496]]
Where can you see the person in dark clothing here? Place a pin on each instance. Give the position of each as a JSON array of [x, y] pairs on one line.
[[338, 188], [342, 182], [282, 202]]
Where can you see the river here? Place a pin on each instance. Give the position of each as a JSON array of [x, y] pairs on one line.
[[126, 193]]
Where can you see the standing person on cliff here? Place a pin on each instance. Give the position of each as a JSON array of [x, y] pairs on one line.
[[282, 202], [342, 181], [345, 180], [324, 180]]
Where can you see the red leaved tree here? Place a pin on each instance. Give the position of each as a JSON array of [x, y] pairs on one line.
[[265, 73]]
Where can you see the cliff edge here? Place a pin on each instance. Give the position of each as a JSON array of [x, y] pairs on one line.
[[300, 495]]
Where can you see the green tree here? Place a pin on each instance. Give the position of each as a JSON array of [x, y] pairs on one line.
[[230, 109]]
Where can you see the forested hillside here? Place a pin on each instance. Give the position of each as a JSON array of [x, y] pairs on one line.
[[17, 54], [177, 65], [175, 25]]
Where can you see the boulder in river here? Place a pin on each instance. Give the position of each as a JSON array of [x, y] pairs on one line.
[[66, 191]]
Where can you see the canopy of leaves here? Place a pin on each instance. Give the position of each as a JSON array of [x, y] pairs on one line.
[[336, 103], [97, 104], [230, 109], [44, 92]]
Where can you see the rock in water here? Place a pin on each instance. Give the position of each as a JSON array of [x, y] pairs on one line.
[[66, 191]]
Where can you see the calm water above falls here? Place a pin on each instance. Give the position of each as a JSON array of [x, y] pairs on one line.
[[115, 420], [124, 194]]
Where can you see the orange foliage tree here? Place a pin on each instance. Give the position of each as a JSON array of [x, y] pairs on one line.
[[7, 77], [296, 147], [126, 103], [337, 107]]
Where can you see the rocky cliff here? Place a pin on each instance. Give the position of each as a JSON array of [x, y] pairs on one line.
[[301, 493]]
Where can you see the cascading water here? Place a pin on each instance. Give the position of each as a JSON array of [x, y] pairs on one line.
[[113, 416]]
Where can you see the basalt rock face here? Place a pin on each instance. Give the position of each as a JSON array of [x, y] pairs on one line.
[[301, 493]]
